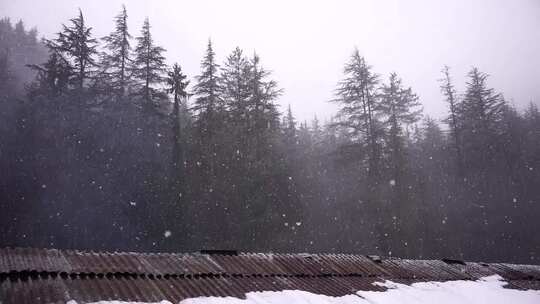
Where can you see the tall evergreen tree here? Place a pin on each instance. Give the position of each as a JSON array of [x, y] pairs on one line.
[[52, 77], [356, 95], [289, 127], [75, 42], [433, 139], [207, 91], [400, 108], [6, 75], [234, 81], [234, 84], [118, 58], [177, 86], [480, 113], [449, 92], [148, 64], [264, 92], [316, 129], [209, 111]]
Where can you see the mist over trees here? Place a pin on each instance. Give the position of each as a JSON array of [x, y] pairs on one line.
[[104, 146]]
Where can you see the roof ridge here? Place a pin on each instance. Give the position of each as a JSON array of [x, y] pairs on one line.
[[72, 261]]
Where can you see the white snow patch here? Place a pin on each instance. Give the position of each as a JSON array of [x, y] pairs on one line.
[[119, 302], [488, 290]]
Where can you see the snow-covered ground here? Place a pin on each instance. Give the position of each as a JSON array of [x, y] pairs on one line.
[[488, 290]]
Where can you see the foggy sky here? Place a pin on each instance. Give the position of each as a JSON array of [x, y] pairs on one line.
[[306, 43]]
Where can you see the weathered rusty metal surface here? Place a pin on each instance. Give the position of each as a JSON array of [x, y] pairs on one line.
[[57, 276], [58, 290]]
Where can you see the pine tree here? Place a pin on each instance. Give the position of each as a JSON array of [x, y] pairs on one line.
[[52, 77], [6, 75], [207, 91], [234, 81], [209, 111], [177, 85], [481, 106], [356, 95], [433, 139], [304, 136], [399, 107], [264, 115], [480, 114], [75, 42], [531, 119], [148, 64], [448, 90], [316, 130], [289, 127], [117, 59]]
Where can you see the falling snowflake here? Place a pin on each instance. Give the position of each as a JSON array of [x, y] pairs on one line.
[[392, 182], [298, 223], [167, 233], [132, 203]]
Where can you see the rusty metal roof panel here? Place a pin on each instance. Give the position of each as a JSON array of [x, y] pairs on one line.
[[198, 264], [524, 271], [475, 270], [395, 269], [435, 269], [525, 284], [506, 271], [56, 276], [234, 264], [295, 264], [93, 289], [28, 259]]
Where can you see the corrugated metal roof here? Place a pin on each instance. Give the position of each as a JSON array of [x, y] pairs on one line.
[[56, 276]]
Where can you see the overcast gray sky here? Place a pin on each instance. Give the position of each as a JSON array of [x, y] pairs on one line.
[[306, 43]]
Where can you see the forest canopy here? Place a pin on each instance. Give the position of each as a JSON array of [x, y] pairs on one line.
[[105, 146]]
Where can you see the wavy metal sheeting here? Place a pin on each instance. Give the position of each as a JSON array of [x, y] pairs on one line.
[[57, 276]]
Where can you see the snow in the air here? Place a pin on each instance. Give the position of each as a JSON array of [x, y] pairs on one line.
[[488, 290]]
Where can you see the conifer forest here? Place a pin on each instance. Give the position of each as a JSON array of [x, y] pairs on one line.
[[107, 144]]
